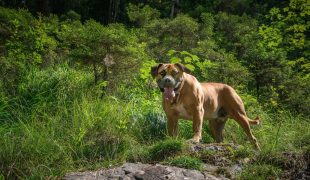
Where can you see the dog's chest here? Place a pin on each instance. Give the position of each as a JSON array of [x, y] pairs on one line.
[[182, 111]]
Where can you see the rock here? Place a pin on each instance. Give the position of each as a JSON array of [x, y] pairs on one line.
[[210, 168], [197, 147], [217, 158], [144, 172]]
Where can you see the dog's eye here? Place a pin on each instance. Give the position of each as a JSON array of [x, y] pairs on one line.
[[175, 73], [163, 73]]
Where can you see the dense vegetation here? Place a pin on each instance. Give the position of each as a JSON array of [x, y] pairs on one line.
[[76, 93]]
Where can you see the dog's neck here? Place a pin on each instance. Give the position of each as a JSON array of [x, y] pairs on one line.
[[177, 90]]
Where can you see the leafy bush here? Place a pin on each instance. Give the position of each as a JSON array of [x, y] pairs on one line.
[[108, 51], [27, 45], [141, 15]]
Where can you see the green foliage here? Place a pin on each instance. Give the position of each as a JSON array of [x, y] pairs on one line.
[[179, 34], [146, 69], [26, 43], [235, 33], [207, 26], [108, 50], [187, 162], [164, 149], [184, 57], [285, 34], [141, 14]]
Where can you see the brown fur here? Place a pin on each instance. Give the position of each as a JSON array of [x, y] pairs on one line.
[[198, 101]]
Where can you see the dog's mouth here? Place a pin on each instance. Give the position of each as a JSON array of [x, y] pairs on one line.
[[169, 93]]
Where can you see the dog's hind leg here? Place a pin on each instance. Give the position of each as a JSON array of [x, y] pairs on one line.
[[243, 121], [217, 129], [237, 112]]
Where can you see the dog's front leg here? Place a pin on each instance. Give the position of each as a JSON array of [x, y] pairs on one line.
[[172, 125], [197, 123]]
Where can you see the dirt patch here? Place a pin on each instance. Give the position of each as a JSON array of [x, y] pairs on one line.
[[296, 166]]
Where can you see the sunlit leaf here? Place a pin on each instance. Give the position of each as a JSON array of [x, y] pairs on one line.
[[175, 60]]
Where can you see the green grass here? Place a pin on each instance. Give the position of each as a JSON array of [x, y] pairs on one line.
[[164, 149], [63, 129], [281, 131], [187, 162], [260, 172], [47, 144], [243, 152]]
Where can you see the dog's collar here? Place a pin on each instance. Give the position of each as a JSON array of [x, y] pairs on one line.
[[177, 90], [177, 87]]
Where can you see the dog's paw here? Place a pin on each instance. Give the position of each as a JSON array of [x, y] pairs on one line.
[[194, 140]]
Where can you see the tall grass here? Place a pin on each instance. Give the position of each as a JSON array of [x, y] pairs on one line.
[[282, 131], [57, 124]]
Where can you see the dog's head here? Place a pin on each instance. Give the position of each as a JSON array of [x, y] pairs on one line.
[[169, 78]]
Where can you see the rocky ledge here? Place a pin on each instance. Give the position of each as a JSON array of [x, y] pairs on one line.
[[143, 171], [217, 165], [220, 161]]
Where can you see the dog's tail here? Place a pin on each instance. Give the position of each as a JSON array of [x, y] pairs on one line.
[[256, 121]]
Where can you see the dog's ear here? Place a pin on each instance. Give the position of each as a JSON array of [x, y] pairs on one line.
[[154, 70], [182, 67]]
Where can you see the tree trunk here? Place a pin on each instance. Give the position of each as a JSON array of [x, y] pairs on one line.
[[116, 7], [113, 10], [105, 78], [110, 10], [95, 72], [257, 81], [174, 8], [43, 6]]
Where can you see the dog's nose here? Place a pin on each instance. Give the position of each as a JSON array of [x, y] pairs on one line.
[[167, 80]]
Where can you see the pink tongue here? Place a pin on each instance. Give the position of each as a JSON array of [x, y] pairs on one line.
[[169, 93]]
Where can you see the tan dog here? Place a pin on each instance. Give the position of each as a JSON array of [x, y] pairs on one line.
[[184, 97]]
